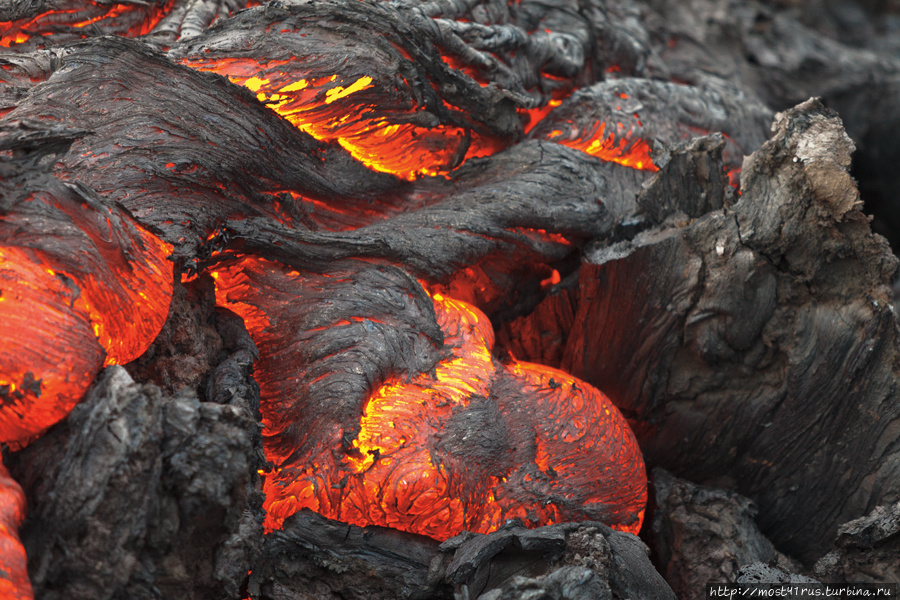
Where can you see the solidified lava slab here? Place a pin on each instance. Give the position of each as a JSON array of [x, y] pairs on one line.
[[425, 430]]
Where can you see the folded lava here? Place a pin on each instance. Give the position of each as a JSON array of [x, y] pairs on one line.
[[82, 285], [384, 405]]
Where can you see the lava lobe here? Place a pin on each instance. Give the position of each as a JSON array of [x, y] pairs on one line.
[[81, 285], [432, 433]]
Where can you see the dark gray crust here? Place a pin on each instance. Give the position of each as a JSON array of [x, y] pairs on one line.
[[755, 346]]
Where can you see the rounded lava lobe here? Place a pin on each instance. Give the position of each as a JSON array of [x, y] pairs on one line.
[[48, 351], [326, 340], [578, 458], [385, 406], [80, 282]]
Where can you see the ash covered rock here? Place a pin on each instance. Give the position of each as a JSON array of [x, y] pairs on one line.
[[785, 52], [188, 347], [753, 345], [866, 549], [571, 561], [706, 535], [759, 573], [139, 495]]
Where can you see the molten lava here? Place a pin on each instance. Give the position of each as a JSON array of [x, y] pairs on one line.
[[466, 445], [82, 20], [402, 418], [14, 582], [81, 285], [44, 377], [619, 146], [331, 109], [325, 108]]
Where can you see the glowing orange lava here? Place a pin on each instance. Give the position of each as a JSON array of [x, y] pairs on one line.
[[14, 582], [333, 109], [619, 146], [97, 294], [48, 351], [128, 20], [468, 446], [337, 109], [534, 116], [63, 317]]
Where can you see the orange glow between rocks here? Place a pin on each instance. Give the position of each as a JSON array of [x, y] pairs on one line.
[[14, 582], [533, 116], [552, 280], [408, 151], [59, 329]]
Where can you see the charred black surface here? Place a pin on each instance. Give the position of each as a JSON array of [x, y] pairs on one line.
[[11, 11], [189, 346], [781, 56], [865, 549], [495, 215], [706, 535], [478, 438], [198, 150], [568, 561], [328, 340], [730, 304], [690, 185], [334, 560], [189, 18], [542, 335], [140, 494], [331, 560], [698, 326]]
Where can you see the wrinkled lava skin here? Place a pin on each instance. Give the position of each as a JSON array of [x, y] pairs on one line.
[[466, 444], [83, 286]]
